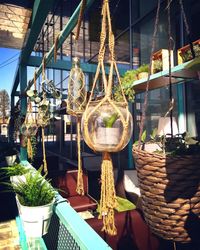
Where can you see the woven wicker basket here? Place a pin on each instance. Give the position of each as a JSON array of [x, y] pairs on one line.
[[170, 189]]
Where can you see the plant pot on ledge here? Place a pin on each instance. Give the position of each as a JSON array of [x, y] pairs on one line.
[[35, 199], [11, 156]]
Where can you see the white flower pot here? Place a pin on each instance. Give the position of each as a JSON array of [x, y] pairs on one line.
[[17, 178], [10, 160], [107, 136], [35, 220]]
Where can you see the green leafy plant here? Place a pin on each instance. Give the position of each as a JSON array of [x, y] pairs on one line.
[[180, 144], [187, 54], [110, 120], [33, 190], [143, 68], [16, 169], [129, 77], [157, 66]]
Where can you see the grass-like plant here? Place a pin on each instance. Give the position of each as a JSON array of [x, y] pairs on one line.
[[35, 190], [16, 169]]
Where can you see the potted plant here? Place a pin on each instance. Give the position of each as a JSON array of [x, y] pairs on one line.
[[107, 134], [35, 198], [157, 66], [14, 172], [142, 71], [186, 55], [11, 155], [169, 183]]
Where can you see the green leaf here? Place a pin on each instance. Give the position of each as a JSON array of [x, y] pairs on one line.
[[144, 135]]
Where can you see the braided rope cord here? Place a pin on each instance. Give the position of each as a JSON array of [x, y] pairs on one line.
[[187, 27], [80, 186], [149, 73], [43, 135], [80, 17]]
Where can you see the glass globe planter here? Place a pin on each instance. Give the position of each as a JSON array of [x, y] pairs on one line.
[[29, 129], [107, 128], [76, 100]]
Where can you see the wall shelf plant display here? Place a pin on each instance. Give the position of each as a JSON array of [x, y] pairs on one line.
[[107, 123], [160, 60], [185, 54]]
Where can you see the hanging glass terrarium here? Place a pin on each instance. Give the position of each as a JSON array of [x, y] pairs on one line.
[[106, 123], [108, 127], [76, 100]]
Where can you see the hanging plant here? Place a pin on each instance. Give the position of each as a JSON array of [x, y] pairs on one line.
[[103, 115], [76, 100], [29, 128]]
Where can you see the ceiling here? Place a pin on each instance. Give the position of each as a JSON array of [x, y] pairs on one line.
[[14, 22]]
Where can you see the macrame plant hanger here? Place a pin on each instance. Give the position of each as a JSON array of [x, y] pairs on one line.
[[43, 114], [77, 97], [29, 128], [101, 118]]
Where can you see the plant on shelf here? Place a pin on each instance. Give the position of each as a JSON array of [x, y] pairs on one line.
[[187, 54], [142, 71], [157, 66], [11, 155]]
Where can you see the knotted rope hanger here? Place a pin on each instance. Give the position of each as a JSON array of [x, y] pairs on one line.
[[108, 196], [43, 135], [76, 100]]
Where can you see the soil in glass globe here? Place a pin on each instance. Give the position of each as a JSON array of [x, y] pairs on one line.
[[105, 130]]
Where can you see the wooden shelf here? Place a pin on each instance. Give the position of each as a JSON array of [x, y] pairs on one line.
[[180, 73]]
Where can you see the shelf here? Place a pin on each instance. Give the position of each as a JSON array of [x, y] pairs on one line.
[[180, 73]]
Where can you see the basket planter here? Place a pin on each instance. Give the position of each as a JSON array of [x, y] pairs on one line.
[[170, 190], [35, 220], [108, 136]]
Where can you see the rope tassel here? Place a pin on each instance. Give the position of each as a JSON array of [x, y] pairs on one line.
[[29, 148], [44, 153], [108, 197], [79, 187]]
